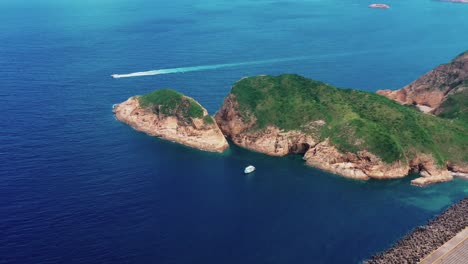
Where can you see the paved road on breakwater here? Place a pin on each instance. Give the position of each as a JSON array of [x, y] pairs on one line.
[[453, 252]]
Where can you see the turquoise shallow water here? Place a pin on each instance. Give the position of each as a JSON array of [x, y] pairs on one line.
[[78, 186]]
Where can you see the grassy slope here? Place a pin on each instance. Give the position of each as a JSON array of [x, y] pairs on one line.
[[355, 120], [170, 102], [456, 106]]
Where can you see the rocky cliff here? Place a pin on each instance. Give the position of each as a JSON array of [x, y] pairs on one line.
[[430, 91], [271, 140], [172, 116], [351, 133]]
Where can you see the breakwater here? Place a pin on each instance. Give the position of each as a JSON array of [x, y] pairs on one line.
[[423, 240]]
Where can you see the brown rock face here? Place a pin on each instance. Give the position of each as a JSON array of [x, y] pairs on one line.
[[430, 90], [362, 165], [196, 134], [271, 141], [229, 119], [321, 154], [430, 173]]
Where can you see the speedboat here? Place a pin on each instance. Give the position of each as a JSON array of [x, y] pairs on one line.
[[249, 169], [383, 6]]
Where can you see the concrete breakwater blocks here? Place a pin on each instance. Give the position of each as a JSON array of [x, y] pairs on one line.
[[424, 241]]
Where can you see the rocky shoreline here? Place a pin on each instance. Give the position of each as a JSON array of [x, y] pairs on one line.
[[423, 240]]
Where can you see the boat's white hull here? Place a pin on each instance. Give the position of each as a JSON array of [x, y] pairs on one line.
[[249, 169]]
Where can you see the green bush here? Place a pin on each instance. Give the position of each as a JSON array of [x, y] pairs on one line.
[[170, 102], [456, 105], [208, 120]]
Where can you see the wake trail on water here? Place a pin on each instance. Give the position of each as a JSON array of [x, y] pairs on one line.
[[225, 65], [204, 67]]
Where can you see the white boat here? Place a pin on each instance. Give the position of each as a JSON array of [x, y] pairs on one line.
[[249, 169]]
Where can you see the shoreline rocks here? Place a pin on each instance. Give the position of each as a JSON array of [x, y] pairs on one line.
[[361, 166], [196, 133], [365, 165], [423, 240]]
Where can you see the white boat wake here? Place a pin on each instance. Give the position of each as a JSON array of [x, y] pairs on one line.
[[204, 67], [228, 65]]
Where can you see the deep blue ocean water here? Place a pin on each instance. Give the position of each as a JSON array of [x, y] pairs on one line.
[[76, 186]]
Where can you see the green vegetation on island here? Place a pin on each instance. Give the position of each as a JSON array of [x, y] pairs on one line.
[[354, 120], [208, 120], [456, 105], [172, 103]]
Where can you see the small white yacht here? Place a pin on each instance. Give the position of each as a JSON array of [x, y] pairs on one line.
[[249, 169]]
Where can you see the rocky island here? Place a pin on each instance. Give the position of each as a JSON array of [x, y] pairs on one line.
[[356, 134], [172, 116]]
